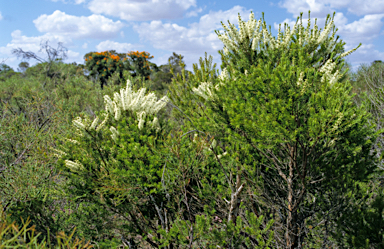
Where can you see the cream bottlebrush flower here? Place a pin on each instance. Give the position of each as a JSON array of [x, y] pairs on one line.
[[148, 103], [127, 92], [223, 75], [204, 90], [75, 166], [335, 77], [286, 36], [114, 132], [315, 32], [78, 122], [72, 141], [94, 123], [141, 118], [108, 105], [300, 79], [349, 52], [300, 36], [60, 153], [327, 69], [229, 44], [136, 102], [101, 126], [160, 104], [255, 41], [340, 116], [325, 33], [251, 25], [117, 110], [155, 124]]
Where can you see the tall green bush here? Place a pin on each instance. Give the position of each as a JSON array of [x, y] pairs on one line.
[[296, 143]]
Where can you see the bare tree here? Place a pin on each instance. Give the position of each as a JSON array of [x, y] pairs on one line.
[[53, 54]]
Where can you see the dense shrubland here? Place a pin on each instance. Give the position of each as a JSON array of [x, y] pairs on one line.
[[282, 149]]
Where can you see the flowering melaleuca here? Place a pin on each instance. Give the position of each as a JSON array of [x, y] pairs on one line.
[[125, 100], [74, 166], [205, 88], [254, 36], [136, 102]]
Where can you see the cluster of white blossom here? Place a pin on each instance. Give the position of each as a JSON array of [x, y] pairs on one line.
[[85, 124], [126, 99], [205, 89], [223, 75], [59, 153], [302, 83], [327, 69], [250, 33], [340, 117], [75, 166], [114, 132]]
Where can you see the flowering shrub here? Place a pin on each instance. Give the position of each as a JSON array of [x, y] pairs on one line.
[[139, 63], [103, 65]]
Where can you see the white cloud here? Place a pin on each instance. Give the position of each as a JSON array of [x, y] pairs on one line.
[[1, 17], [194, 12], [296, 6], [363, 30], [359, 7], [323, 7], [142, 10], [94, 26], [119, 47], [85, 45], [74, 57], [190, 41]]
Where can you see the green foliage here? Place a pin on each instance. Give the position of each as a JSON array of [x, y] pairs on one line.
[[6, 72], [272, 153], [163, 75], [14, 236], [109, 166], [211, 232], [32, 117], [363, 221], [139, 64], [23, 66], [290, 122]]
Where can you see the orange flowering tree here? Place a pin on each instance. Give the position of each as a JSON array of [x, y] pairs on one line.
[[139, 64], [103, 64]]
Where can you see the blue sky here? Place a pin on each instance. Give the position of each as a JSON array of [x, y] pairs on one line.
[[161, 27]]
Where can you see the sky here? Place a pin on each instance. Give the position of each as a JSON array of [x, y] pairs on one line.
[[161, 27]]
